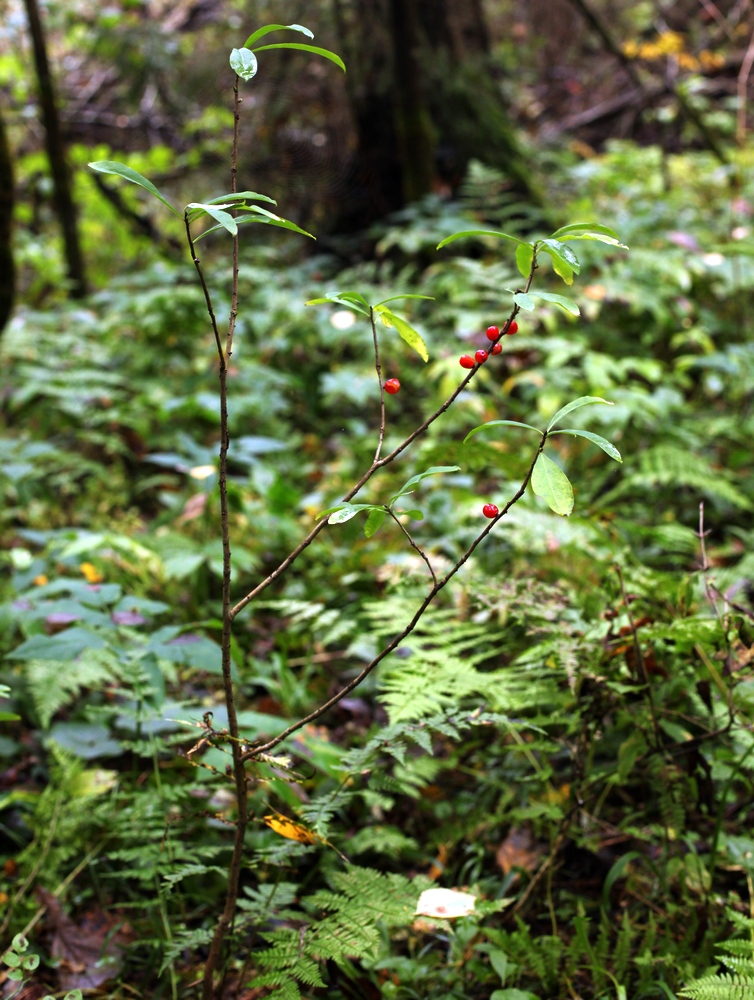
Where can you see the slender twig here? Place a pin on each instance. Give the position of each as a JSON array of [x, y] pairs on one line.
[[386, 460], [743, 81], [644, 677], [378, 369], [714, 12], [239, 773], [326, 706], [205, 289], [413, 544]]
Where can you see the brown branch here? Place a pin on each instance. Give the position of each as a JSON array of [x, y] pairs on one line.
[[255, 751], [413, 544], [292, 556]]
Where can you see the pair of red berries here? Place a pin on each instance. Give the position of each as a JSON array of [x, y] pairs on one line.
[[466, 360], [392, 385]]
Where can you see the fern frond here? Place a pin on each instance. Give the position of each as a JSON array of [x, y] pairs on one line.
[[720, 987], [53, 685]]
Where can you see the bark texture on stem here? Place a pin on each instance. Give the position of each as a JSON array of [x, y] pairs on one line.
[[7, 269]]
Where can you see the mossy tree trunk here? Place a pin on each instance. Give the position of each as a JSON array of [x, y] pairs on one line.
[[7, 270], [425, 101], [61, 179]]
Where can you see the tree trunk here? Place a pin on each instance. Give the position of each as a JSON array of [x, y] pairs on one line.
[[7, 270], [424, 103], [61, 179]]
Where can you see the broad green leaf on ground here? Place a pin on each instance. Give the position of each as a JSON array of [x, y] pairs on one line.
[[550, 482], [127, 173], [575, 405]]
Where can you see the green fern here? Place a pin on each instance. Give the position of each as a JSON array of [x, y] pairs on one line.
[[720, 987], [54, 685], [438, 665]]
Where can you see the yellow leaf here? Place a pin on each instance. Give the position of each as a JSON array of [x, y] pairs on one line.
[[40, 581], [293, 831], [91, 573]]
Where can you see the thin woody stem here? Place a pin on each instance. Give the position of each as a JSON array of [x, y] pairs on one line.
[[378, 369], [413, 544], [266, 747], [644, 677], [239, 773], [380, 463]]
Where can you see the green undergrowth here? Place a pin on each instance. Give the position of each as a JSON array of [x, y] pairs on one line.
[[566, 735]]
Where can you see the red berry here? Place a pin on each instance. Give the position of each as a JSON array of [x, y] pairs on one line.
[[492, 333], [480, 357], [466, 361], [392, 386], [496, 349], [490, 510], [512, 327]]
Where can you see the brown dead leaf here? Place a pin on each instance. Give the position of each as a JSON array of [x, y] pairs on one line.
[[193, 508], [519, 850], [90, 952]]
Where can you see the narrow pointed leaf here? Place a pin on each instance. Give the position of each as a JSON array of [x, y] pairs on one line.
[[583, 227], [341, 516], [560, 300], [575, 405], [524, 301], [241, 196], [337, 300], [354, 298], [244, 63], [600, 239], [500, 423], [436, 470], [392, 298], [550, 482], [314, 49], [374, 521], [524, 258], [261, 32], [225, 220], [121, 170], [406, 332], [477, 232], [607, 447]]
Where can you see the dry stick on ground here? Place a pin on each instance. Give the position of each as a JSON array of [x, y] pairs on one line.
[[239, 756]]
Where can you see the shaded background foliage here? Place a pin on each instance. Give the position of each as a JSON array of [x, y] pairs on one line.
[[511, 747]]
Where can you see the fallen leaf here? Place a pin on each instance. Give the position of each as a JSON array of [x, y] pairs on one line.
[[519, 850], [293, 831]]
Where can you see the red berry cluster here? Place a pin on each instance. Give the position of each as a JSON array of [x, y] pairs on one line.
[[493, 333]]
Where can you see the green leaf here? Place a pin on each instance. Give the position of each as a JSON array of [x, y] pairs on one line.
[[575, 405], [121, 170], [268, 218], [550, 482], [405, 331], [354, 300], [241, 196], [415, 515], [600, 239], [66, 645], [584, 227], [374, 521], [351, 509], [560, 300], [608, 448], [315, 49], [225, 220], [9, 717], [524, 301], [261, 32], [436, 470], [500, 423], [478, 232], [524, 258], [564, 260], [392, 298], [244, 63]]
